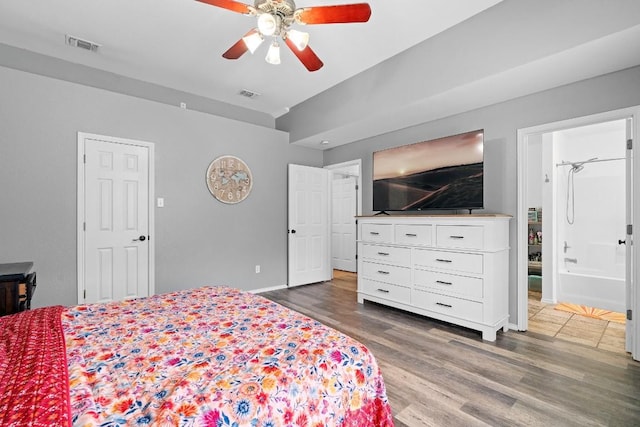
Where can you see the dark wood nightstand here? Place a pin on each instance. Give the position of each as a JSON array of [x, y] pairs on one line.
[[17, 285]]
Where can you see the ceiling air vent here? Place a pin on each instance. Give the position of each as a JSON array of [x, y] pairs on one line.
[[248, 94], [82, 44]]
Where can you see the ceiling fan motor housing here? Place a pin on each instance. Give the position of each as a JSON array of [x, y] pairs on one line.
[[283, 9]]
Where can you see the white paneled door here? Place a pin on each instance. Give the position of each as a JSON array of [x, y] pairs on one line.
[[343, 222], [309, 226], [116, 220]]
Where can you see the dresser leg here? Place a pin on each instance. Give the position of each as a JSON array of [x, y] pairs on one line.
[[489, 335]]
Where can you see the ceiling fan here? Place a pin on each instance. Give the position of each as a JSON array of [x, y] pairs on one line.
[[275, 18]]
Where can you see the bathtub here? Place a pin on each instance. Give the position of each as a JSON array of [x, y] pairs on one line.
[[580, 287]]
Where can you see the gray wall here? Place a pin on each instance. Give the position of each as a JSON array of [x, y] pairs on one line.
[[501, 122], [198, 240], [31, 62], [513, 48]]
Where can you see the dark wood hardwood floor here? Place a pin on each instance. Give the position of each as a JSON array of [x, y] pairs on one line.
[[438, 374]]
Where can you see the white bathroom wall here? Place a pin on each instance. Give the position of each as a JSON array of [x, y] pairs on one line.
[[534, 170], [549, 226]]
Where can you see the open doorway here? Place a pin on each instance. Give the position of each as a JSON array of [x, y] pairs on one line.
[[346, 204], [575, 201], [576, 273]]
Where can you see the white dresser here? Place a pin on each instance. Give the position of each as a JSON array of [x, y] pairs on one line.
[[450, 267]]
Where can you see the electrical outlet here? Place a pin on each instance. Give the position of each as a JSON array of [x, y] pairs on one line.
[[183, 105], [257, 269], [160, 202]]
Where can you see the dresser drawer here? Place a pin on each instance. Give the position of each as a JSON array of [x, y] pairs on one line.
[[448, 283], [457, 307], [460, 236], [386, 254], [385, 290], [411, 234], [444, 260], [377, 233], [386, 273]]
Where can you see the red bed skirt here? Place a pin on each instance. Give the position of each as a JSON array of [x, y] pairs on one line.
[[34, 383]]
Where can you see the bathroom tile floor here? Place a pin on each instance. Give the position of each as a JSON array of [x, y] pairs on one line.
[[546, 320]]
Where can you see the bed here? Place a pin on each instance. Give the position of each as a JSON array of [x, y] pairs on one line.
[[212, 356]]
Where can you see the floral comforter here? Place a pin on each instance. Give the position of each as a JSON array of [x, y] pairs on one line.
[[216, 356]]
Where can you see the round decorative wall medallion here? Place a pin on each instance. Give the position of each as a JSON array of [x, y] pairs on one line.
[[229, 179]]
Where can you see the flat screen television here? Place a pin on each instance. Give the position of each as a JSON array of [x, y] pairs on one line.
[[443, 173]]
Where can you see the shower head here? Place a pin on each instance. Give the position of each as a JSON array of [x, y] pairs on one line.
[[578, 166]]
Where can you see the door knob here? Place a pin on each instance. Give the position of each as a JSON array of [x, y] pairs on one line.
[[622, 242], [141, 238], [293, 231]]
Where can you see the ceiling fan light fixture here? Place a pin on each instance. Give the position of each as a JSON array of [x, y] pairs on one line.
[[300, 39], [274, 19], [273, 55], [268, 24], [253, 40]]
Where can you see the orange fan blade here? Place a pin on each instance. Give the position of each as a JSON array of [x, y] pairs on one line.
[[229, 5], [308, 57], [359, 12], [239, 48]]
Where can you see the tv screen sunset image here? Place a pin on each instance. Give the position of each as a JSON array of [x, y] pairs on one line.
[[445, 173]]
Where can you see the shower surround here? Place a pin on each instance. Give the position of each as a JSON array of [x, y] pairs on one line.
[[590, 215]]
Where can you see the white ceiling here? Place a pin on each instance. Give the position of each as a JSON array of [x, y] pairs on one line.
[[179, 43]]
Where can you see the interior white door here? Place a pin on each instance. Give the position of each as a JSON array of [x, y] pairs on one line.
[[116, 258], [308, 225], [629, 264], [343, 222]]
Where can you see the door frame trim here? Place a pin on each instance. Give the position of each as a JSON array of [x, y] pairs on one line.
[[521, 218], [80, 254]]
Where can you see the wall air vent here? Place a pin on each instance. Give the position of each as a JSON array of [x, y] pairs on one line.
[[82, 44], [248, 94]]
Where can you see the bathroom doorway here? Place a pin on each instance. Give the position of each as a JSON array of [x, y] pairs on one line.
[[590, 196], [575, 200]]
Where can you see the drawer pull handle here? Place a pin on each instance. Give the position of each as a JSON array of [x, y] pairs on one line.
[[456, 237], [411, 235], [374, 233], [383, 272], [444, 305], [383, 253], [440, 282], [383, 290], [443, 260]]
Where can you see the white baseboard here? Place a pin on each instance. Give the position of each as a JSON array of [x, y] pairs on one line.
[[271, 288]]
